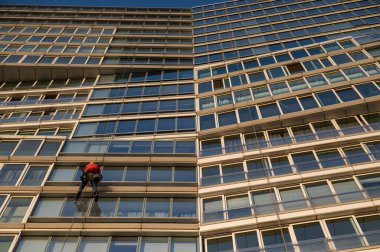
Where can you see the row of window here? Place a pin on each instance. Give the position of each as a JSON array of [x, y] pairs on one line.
[[54, 49], [143, 91], [90, 22], [168, 50], [117, 207], [295, 134], [244, 5], [329, 14], [165, 75], [281, 57], [42, 99], [54, 131], [87, 9], [36, 175], [130, 147], [34, 59], [54, 39], [155, 31], [272, 47], [30, 116], [291, 105], [333, 234], [29, 148], [276, 88], [68, 173], [160, 106], [299, 28], [146, 60], [137, 126], [101, 244], [292, 163], [43, 84], [143, 40], [300, 197], [66, 30], [333, 77]]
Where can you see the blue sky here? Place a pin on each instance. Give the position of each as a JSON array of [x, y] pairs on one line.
[[116, 3]]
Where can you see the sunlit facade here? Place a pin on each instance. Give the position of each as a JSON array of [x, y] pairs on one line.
[[238, 126]]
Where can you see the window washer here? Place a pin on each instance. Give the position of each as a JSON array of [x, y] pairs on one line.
[[91, 173]]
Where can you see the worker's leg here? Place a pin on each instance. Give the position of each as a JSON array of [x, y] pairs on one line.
[[81, 187], [95, 189]]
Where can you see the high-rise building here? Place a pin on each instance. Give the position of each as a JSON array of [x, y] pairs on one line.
[[240, 126]]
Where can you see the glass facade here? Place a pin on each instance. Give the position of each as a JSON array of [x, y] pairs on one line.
[[236, 126]]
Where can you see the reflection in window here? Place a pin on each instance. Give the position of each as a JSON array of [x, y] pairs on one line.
[[16, 209]]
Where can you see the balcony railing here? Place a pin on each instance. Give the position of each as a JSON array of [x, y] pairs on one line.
[[38, 118], [46, 101], [261, 144], [278, 207], [263, 171], [341, 242]]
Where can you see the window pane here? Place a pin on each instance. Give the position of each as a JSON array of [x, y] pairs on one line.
[[157, 208], [220, 244], [98, 244], [269, 110], [130, 207], [48, 207], [104, 208], [35, 175], [293, 199], [113, 173], [15, 210], [10, 173], [247, 241], [227, 118], [5, 242], [37, 243], [371, 184], [312, 232], [356, 155], [63, 173], [161, 174], [370, 226], [49, 148], [213, 209], [7, 147], [264, 202], [150, 244], [330, 158], [290, 105], [123, 244], [274, 240], [305, 161], [136, 174], [319, 194], [183, 245], [184, 208], [368, 89], [238, 206], [348, 190], [61, 244], [27, 147], [348, 232], [185, 174]]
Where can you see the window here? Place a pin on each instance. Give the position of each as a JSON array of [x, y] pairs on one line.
[[370, 226], [16, 209], [277, 239], [35, 175], [49, 148], [130, 207], [316, 80], [313, 232], [289, 105], [227, 118], [344, 227], [211, 147], [293, 198], [213, 209], [327, 98], [341, 58], [297, 84], [184, 208], [356, 155], [238, 206], [220, 244], [269, 110], [330, 158], [319, 194], [264, 202], [11, 173], [371, 69], [276, 72], [367, 89], [371, 183], [295, 68], [354, 73], [27, 147], [335, 77], [347, 190], [207, 122], [6, 242]]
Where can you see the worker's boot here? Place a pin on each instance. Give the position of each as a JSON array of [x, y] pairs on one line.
[[96, 196]]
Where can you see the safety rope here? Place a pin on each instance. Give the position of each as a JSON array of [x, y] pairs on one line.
[[267, 174], [75, 216]]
